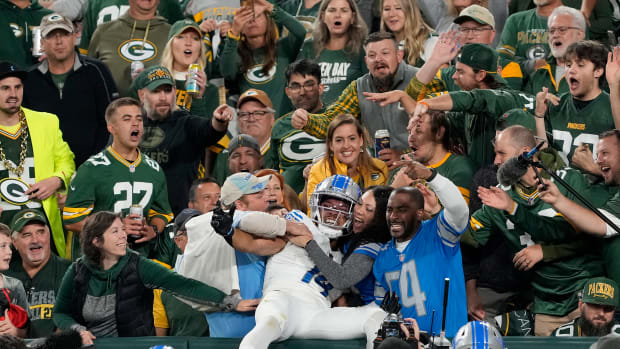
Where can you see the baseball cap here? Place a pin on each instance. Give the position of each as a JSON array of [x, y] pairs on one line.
[[8, 69], [476, 13], [243, 140], [183, 217], [516, 117], [257, 95], [480, 57], [55, 21], [601, 291], [153, 77], [180, 26], [242, 183], [25, 217]]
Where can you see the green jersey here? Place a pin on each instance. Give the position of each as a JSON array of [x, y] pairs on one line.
[[104, 11], [524, 39], [107, 182], [12, 185], [573, 329], [338, 69], [478, 112], [550, 76], [511, 73], [183, 320], [571, 126], [16, 31], [611, 246], [200, 107], [294, 150], [459, 170], [533, 221], [41, 291]]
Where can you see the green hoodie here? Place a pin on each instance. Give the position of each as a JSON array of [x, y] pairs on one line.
[[120, 42], [16, 31], [102, 283]]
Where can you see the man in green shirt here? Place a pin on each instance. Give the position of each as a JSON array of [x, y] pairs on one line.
[[17, 19], [37, 268]]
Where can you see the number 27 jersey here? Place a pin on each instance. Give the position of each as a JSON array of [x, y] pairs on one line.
[[107, 182]]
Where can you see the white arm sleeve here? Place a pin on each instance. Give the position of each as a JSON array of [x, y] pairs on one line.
[[611, 232], [261, 224], [456, 211]]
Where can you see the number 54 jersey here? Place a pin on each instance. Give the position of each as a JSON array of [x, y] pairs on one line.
[[107, 182], [417, 275]]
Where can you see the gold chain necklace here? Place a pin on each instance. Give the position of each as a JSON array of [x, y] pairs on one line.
[[22, 155]]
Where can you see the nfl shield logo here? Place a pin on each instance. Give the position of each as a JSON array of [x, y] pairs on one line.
[[401, 258]]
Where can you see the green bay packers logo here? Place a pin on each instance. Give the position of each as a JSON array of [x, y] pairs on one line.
[[18, 31], [153, 136], [537, 51], [12, 191], [54, 18], [301, 147], [137, 50], [255, 74]]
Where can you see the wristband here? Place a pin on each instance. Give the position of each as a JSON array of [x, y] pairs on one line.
[[433, 174], [539, 117], [424, 103], [232, 36]]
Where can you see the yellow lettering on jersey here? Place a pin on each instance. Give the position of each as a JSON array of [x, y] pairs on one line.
[[45, 310], [576, 126], [182, 100]]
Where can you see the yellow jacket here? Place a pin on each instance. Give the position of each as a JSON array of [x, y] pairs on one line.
[[52, 158], [364, 179]]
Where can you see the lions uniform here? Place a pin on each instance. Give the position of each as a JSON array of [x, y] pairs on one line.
[[107, 182], [294, 150], [572, 126], [533, 221]]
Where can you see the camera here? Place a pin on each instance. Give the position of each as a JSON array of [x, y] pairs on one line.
[[390, 327]]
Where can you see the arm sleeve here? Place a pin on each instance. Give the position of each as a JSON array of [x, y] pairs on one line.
[[160, 318], [81, 196], [542, 228], [201, 132], [506, 47], [493, 102], [454, 216], [559, 251], [354, 269], [481, 227], [18, 295], [261, 224], [347, 103], [89, 25], [291, 44], [62, 307], [229, 59], [418, 91]]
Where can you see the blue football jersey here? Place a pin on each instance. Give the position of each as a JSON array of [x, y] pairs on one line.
[[366, 286], [417, 276]]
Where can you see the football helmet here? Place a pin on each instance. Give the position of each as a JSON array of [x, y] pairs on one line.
[[339, 187], [478, 335]]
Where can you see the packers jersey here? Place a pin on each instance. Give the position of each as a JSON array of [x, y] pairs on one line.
[[12, 186], [459, 169], [611, 246], [532, 222], [511, 73], [572, 329], [524, 37], [294, 149], [571, 127], [107, 182]]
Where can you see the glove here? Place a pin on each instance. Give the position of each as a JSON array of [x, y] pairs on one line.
[[222, 222], [390, 303]]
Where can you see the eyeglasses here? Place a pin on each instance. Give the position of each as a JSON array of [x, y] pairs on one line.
[[258, 114], [475, 31], [560, 30], [308, 86], [58, 34]]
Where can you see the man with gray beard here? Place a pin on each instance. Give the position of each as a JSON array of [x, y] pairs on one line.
[[173, 137]]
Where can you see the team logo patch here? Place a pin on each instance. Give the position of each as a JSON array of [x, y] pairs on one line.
[[137, 50], [536, 52], [54, 18], [375, 176], [12, 191], [18, 31], [153, 136], [301, 147], [256, 75]]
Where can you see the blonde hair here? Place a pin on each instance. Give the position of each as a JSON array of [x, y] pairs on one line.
[[356, 33], [415, 29]]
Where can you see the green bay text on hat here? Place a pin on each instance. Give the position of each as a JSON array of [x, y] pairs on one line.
[[479, 57], [180, 26], [153, 77], [25, 217], [601, 291]]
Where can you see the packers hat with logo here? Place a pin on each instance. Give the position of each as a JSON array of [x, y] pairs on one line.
[[55, 21], [476, 13], [601, 290], [25, 217], [257, 95], [153, 77], [180, 26]]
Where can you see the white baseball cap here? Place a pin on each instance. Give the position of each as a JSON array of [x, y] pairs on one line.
[[240, 184]]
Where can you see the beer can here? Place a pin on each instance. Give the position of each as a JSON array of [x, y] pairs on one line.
[[36, 42], [136, 68], [191, 86], [136, 210], [382, 141]]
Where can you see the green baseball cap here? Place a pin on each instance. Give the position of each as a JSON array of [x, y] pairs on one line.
[[153, 77], [180, 26], [516, 117], [25, 217], [601, 291], [479, 57]]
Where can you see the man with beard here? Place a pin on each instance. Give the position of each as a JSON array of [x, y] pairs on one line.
[[387, 71], [566, 26], [294, 148], [598, 303], [173, 137]]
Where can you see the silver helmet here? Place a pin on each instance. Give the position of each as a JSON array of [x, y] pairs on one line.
[[338, 187], [478, 335]]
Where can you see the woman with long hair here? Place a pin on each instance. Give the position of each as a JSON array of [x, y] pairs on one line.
[[336, 45], [109, 291], [254, 57], [404, 19], [278, 192], [347, 154], [185, 47]]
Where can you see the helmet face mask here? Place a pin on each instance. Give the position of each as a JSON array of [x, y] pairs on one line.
[[332, 204]]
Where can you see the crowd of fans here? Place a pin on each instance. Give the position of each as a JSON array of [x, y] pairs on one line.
[[179, 135]]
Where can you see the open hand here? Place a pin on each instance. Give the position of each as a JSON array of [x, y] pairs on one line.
[[496, 198], [528, 257]]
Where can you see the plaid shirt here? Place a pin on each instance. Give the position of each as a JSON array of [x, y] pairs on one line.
[[418, 90], [347, 103]]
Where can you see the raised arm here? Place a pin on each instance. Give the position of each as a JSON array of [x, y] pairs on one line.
[[612, 71]]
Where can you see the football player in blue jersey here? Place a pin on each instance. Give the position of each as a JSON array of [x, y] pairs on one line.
[[422, 254]]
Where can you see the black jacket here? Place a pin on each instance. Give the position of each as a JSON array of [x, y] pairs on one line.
[[88, 90]]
